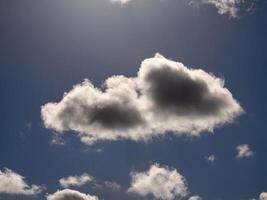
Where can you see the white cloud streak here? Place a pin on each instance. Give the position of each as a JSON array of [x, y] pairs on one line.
[[233, 8], [14, 184], [75, 181], [161, 182], [164, 97]]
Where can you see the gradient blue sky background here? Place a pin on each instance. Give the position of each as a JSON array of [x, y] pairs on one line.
[[48, 46]]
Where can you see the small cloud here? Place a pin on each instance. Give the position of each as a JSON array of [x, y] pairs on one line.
[[75, 181], [195, 198], [211, 158], [68, 194], [58, 140], [244, 151], [161, 182], [13, 183]]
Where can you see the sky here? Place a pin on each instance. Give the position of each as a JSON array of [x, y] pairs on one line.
[[136, 100]]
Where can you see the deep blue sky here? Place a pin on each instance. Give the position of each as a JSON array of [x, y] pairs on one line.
[[48, 46]]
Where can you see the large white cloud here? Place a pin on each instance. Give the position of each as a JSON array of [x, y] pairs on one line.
[[14, 184], [243, 151], [164, 97], [68, 194], [75, 181], [161, 182]]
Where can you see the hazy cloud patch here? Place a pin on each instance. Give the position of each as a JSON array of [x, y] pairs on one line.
[[112, 185], [120, 1], [13, 183], [244, 151], [165, 96], [211, 158]]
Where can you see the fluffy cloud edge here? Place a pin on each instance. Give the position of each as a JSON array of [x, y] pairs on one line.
[[12, 183], [70, 194]]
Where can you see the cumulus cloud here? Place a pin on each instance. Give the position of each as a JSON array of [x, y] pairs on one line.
[[164, 97], [14, 184], [230, 7], [210, 158], [263, 196], [75, 181], [195, 198], [243, 151], [68, 194], [161, 182]]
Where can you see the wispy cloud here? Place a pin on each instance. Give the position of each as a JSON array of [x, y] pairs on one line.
[[85, 178], [75, 181], [195, 198], [120, 1], [233, 8]]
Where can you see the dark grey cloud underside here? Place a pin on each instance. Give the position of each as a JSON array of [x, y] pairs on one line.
[[110, 115], [178, 93]]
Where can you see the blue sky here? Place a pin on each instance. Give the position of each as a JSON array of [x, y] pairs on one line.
[[47, 47]]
